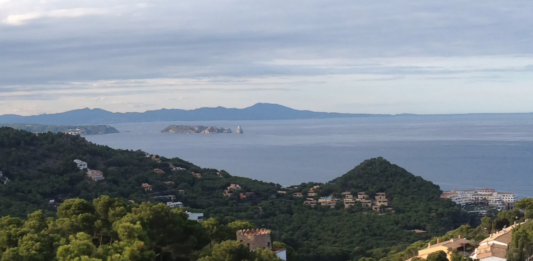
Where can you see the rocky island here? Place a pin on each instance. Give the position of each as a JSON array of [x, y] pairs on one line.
[[188, 129], [69, 129]]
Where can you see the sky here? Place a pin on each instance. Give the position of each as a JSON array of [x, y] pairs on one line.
[[410, 56]]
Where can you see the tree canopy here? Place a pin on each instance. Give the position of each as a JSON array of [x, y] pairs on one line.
[[44, 177]]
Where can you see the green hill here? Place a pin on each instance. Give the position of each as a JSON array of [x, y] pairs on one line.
[[41, 168]]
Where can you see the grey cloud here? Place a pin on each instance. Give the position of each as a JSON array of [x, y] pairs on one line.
[[229, 38], [231, 41], [52, 94]]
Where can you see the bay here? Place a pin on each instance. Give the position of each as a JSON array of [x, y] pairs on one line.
[[453, 151]]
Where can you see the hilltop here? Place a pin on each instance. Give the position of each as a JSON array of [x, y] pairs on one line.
[[259, 111], [41, 168]]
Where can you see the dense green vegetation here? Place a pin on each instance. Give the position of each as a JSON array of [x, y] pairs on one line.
[[520, 247], [112, 230], [41, 169]]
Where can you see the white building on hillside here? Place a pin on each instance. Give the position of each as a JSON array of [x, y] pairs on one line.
[[500, 200], [175, 204], [195, 216], [81, 164]]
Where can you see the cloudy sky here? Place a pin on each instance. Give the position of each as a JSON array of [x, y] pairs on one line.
[[409, 56]]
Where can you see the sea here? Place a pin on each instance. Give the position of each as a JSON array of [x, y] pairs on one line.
[[454, 151]]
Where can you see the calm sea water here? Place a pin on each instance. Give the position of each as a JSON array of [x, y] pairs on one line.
[[455, 152]]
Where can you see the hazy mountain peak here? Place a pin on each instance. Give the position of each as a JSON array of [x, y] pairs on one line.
[[258, 111]]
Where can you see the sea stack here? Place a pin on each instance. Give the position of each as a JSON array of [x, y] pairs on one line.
[[239, 130]]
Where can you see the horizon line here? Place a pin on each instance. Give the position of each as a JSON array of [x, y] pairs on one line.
[[275, 104]]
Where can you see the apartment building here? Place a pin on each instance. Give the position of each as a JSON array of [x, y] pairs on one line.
[[500, 200]]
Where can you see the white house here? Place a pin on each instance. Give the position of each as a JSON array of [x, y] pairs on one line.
[[81, 164], [195, 216], [175, 204]]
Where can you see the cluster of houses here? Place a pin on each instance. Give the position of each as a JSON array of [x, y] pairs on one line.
[[246, 195], [76, 131], [192, 215], [236, 187], [95, 175], [493, 248], [499, 200], [229, 190], [378, 203], [146, 187], [3, 178], [310, 193]]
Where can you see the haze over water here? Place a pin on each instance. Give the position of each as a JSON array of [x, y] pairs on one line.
[[455, 152]]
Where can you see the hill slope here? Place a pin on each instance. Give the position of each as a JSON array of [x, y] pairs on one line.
[[260, 111], [41, 168]]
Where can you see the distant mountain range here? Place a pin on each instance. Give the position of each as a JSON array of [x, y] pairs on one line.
[[260, 111]]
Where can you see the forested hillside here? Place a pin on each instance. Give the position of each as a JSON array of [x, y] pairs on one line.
[[109, 229], [41, 168]]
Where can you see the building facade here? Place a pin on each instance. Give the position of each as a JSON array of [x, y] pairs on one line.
[[80, 164], [175, 204], [500, 200], [495, 247], [195, 216], [255, 238], [95, 175], [454, 244], [259, 238]]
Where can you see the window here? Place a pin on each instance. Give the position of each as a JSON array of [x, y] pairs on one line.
[[268, 244]]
